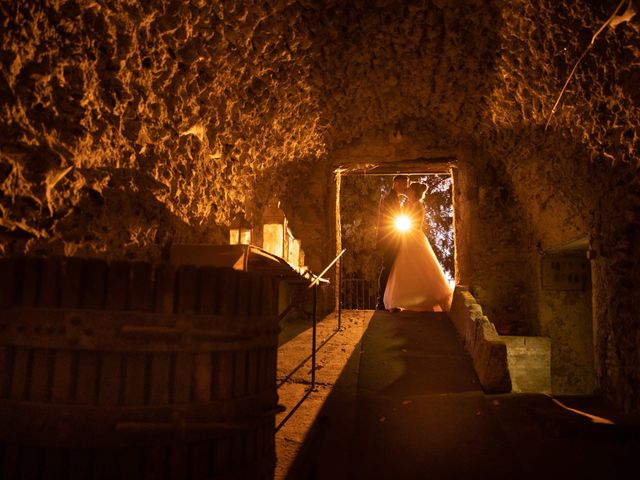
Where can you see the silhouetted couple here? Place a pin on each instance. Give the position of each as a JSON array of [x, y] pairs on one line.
[[411, 277]]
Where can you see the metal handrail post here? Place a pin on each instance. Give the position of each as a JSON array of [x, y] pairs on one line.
[[313, 338], [339, 294]]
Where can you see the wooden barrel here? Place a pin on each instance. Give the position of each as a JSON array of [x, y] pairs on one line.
[[131, 370]]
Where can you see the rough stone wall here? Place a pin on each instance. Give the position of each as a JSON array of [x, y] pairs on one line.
[[390, 65], [491, 245], [360, 198], [566, 318], [189, 103], [580, 176], [126, 126], [309, 204]]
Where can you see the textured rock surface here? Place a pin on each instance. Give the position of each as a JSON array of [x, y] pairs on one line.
[[128, 125]]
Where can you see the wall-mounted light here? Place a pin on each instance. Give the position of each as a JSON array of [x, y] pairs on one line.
[[294, 252], [275, 234], [240, 231]]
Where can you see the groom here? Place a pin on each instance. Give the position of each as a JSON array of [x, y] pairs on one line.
[[386, 237]]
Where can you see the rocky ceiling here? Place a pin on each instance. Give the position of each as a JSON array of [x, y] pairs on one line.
[[198, 108]]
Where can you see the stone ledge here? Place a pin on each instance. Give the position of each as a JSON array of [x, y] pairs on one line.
[[529, 363], [488, 352]]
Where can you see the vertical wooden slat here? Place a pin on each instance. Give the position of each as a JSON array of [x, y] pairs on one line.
[[229, 292], [62, 376], [187, 289], [249, 447], [255, 303], [165, 288], [31, 281], [252, 371], [237, 449], [118, 281], [223, 455], [21, 373], [269, 366], [105, 464], [80, 463], [182, 377], [95, 284], [134, 379], [141, 292], [156, 463], [177, 461], [240, 373], [160, 363], [6, 370], [207, 290], [49, 292], [110, 377], [72, 281], [224, 375], [130, 464], [40, 382], [53, 463], [31, 463], [202, 374], [269, 297], [260, 443], [272, 367], [10, 461], [87, 378], [270, 434], [243, 286], [262, 369], [198, 459], [7, 281]]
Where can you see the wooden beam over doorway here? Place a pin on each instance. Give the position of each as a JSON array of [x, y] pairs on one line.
[[418, 166]]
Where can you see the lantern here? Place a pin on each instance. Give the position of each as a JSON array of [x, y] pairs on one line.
[[275, 232], [294, 252], [288, 245], [239, 231]]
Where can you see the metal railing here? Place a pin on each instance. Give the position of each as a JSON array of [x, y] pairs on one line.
[[358, 294], [313, 286]]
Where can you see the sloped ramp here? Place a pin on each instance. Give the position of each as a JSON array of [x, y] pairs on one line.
[[408, 405], [414, 409]]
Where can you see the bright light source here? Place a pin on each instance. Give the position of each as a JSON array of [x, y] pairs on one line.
[[403, 223]]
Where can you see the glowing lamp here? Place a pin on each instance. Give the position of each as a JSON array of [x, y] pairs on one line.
[[403, 223], [294, 252], [275, 231], [239, 231]]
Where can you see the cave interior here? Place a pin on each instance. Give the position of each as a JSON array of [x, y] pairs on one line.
[[128, 128]]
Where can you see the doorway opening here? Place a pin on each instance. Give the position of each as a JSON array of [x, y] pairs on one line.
[[358, 197]]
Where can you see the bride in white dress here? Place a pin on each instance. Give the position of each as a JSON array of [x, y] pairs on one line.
[[416, 281]]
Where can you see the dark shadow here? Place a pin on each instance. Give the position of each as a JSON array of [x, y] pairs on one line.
[[306, 359], [291, 328], [294, 409], [408, 405]]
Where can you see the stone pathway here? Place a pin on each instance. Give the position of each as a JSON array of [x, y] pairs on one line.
[[397, 398]]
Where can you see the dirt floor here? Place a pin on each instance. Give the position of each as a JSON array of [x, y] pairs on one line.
[[336, 346]]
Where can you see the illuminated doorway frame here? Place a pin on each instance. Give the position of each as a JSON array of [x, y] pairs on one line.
[[420, 166]]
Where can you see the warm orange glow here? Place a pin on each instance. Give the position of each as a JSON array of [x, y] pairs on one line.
[[273, 239], [403, 223]]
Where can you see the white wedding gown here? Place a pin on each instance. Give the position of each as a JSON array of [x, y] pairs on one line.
[[416, 281]]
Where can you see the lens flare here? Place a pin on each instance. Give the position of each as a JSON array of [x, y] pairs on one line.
[[403, 223]]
